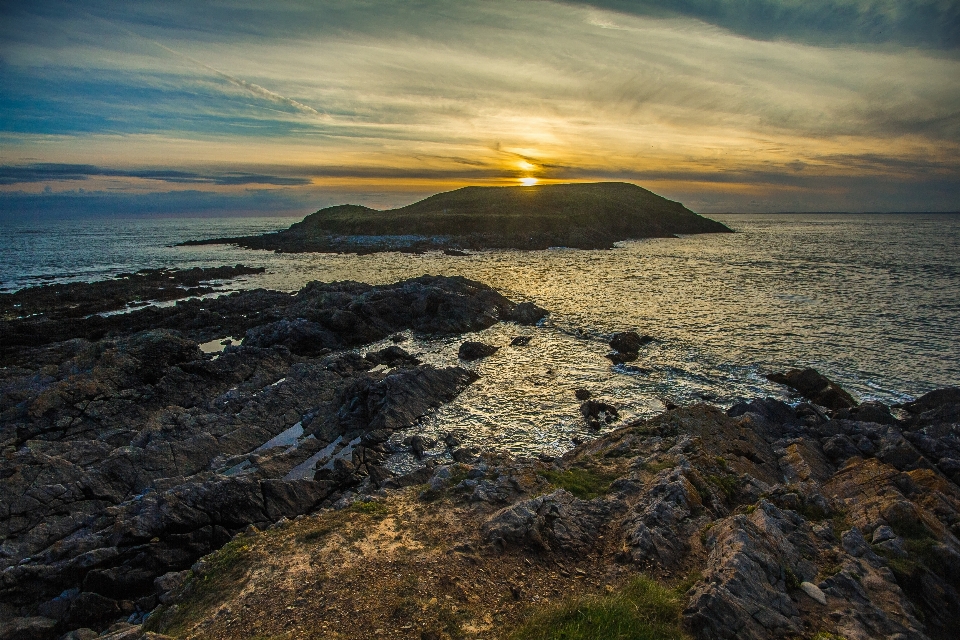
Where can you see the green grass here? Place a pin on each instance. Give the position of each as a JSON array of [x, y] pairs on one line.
[[729, 485], [642, 610], [370, 508], [585, 484]]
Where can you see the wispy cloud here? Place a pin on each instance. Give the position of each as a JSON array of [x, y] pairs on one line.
[[56, 172], [381, 97]]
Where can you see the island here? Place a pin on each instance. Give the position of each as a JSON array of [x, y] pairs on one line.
[[582, 216]]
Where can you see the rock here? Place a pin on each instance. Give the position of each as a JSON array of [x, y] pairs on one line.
[[521, 341], [813, 591], [883, 533], [598, 414], [629, 342], [582, 394], [815, 387], [92, 610], [476, 350], [451, 441], [419, 444], [392, 356], [32, 628], [876, 412], [556, 521], [654, 530], [379, 475], [526, 313], [299, 335]]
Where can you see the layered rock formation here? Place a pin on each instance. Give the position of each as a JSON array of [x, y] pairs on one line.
[[131, 456]]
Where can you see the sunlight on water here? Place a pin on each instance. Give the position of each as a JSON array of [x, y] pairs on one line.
[[870, 300]]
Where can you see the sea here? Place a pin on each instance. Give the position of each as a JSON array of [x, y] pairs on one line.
[[870, 300]]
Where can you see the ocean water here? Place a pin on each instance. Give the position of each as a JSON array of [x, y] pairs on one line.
[[872, 301]]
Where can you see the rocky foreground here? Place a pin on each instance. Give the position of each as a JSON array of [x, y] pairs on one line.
[[584, 216], [132, 454], [130, 458]]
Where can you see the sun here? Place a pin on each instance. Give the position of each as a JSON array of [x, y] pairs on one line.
[[526, 166], [528, 182]]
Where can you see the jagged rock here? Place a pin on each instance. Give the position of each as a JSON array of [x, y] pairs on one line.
[[557, 521], [521, 341], [655, 528], [299, 335], [867, 412], [476, 350], [582, 394], [813, 386]]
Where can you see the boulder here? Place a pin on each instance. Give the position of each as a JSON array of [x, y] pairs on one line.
[[629, 341], [476, 350], [815, 387]]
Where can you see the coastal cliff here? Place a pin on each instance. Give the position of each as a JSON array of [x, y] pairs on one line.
[[585, 216]]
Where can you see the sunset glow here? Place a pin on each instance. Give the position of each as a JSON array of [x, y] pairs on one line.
[[318, 105]]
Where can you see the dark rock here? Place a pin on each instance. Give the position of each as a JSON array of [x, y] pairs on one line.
[[379, 475], [300, 336], [815, 387], [476, 350], [455, 252], [526, 313], [582, 394], [92, 610], [419, 444], [598, 414], [629, 341], [934, 400], [867, 412], [521, 341], [392, 357], [33, 628]]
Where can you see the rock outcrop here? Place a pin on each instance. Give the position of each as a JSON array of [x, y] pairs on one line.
[[128, 457]]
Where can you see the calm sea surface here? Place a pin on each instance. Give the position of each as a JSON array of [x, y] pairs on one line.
[[873, 301]]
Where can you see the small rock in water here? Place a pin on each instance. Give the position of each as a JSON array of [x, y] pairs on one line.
[[598, 413], [629, 341], [521, 341], [582, 394], [476, 350]]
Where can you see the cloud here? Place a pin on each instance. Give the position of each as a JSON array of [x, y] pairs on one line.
[[55, 172], [924, 23]]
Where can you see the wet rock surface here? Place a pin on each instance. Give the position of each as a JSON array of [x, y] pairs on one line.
[[129, 456], [79, 299]]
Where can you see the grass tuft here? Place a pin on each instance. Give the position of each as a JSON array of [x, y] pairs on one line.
[[642, 610], [585, 484]]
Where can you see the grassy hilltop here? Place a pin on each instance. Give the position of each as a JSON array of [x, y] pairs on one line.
[[587, 216]]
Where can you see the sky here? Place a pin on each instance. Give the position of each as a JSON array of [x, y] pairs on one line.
[[237, 107]]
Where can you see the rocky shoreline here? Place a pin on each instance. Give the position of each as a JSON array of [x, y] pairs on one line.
[[130, 455]]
